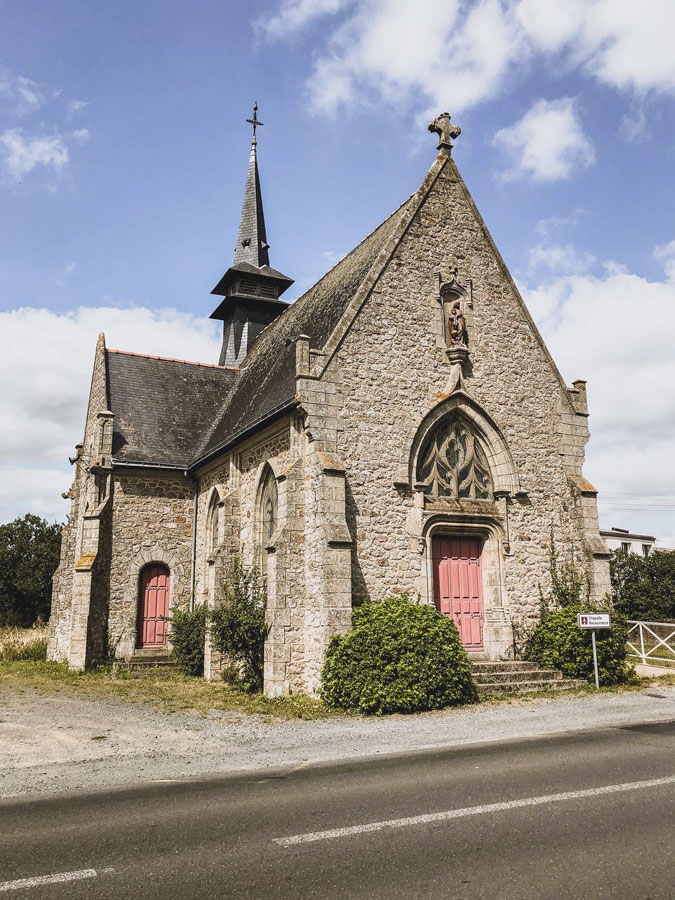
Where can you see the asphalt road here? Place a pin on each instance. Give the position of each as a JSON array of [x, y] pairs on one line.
[[579, 816]]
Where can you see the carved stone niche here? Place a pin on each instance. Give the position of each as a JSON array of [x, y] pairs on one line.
[[456, 302]]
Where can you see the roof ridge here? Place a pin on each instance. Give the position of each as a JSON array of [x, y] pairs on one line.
[[187, 362], [281, 319], [352, 251], [415, 201]]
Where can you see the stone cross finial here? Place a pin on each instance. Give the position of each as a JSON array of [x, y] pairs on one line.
[[447, 132], [255, 121]]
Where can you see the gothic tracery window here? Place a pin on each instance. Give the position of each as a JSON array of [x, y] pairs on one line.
[[452, 463], [268, 512]]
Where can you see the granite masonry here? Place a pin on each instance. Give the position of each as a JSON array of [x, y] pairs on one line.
[[400, 427]]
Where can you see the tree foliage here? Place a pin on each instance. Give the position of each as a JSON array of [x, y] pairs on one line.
[[29, 555], [238, 625], [643, 587], [399, 657]]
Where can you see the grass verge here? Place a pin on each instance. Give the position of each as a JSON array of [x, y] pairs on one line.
[[168, 691]]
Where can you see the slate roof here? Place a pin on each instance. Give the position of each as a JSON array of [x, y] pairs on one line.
[[176, 414], [266, 380], [252, 238], [162, 406]]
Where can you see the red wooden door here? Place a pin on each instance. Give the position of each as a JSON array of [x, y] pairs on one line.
[[458, 586], [153, 606]]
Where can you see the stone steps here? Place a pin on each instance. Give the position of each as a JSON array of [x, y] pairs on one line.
[[518, 676], [150, 659]]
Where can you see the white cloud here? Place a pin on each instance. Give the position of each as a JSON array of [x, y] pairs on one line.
[[559, 258], [21, 153], [331, 257], [547, 143], [42, 410], [615, 330], [23, 95], [23, 149], [624, 44], [455, 53], [459, 53], [76, 106], [81, 135], [666, 254], [295, 15], [68, 269]]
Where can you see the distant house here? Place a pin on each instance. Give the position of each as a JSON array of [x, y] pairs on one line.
[[622, 539]]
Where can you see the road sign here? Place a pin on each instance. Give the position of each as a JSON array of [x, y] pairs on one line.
[[594, 620], [591, 622]]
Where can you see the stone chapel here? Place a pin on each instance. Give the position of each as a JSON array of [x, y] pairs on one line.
[[399, 427]]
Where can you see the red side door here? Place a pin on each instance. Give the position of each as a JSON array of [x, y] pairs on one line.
[[153, 607], [458, 585]]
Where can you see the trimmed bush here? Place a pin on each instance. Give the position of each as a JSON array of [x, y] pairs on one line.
[[239, 629], [399, 657], [188, 636], [557, 642]]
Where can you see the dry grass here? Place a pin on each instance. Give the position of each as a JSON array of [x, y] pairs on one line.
[[168, 691], [23, 643]]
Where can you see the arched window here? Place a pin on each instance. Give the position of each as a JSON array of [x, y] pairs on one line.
[[452, 462], [268, 511], [213, 526]]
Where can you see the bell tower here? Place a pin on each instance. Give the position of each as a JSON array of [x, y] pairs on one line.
[[250, 288]]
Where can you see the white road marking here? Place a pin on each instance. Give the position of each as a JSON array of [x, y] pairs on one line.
[[58, 878], [349, 830]]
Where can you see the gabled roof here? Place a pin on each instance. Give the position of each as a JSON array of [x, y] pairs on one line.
[[266, 381], [162, 406]]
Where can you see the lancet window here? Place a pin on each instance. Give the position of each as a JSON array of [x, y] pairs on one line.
[[268, 513], [452, 463], [212, 526]]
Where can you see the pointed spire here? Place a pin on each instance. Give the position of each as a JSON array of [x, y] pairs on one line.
[[252, 243], [250, 288]]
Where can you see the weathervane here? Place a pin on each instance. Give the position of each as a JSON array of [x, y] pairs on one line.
[[255, 121]]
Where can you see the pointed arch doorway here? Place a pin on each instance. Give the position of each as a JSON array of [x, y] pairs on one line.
[[153, 607], [458, 585]]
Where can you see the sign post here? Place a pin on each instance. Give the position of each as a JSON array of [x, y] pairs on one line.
[[591, 622]]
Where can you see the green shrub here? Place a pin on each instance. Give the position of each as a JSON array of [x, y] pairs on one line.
[[399, 657], [238, 626], [188, 636], [557, 642]]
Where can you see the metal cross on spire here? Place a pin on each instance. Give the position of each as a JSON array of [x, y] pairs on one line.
[[255, 121]]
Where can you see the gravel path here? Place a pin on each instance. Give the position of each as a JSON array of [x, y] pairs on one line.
[[54, 744]]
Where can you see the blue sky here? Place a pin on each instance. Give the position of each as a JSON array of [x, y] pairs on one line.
[[123, 152]]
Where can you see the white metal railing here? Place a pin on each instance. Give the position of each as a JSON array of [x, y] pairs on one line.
[[647, 640]]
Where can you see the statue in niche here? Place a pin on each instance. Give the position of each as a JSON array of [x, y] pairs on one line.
[[457, 327]]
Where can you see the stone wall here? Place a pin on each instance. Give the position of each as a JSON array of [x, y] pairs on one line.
[[391, 368], [152, 515], [79, 596]]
